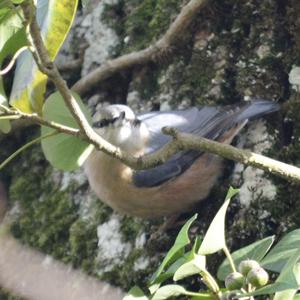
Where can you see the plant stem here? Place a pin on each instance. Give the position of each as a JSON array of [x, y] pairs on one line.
[[210, 282], [229, 257], [9, 117], [24, 147]]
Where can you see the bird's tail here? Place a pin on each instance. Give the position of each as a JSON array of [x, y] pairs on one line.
[[256, 109]]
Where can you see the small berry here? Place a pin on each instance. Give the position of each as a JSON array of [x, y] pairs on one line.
[[232, 295], [234, 281], [258, 277], [246, 265]]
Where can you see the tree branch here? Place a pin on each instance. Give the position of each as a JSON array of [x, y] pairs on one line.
[[142, 57], [180, 141], [35, 119]]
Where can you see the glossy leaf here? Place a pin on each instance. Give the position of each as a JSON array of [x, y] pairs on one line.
[[135, 293], [255, 251], [173, 290], [175, 266], [64, 152], [12, 37], [4, 124], [12, 44], [167, 291], [169, 273], [192, 267], [291, 274], [55, 18], [283, 250], [7, 10], [181, 241], [12, 34], [17, 1], [214, 239]]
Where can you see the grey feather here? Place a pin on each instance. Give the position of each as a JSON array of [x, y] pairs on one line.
[[208, 122]]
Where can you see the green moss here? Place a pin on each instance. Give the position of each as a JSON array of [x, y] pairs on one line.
[[5, 295], [48, 217], [141, 20], [83, 244], [119, 274], [131, 227]]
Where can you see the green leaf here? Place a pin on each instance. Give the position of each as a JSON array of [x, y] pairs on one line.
[[296, 297], [255, 251], [10, 24], [214, 239], [169, 273], [55, 18], [181, 241], [64, 152], [167, 291], [13, 44], [6, 10], [173, 290], [17, 1], [291, 274], [175, 266], [4, 124], [283, 250], [135, 293], [192, 267]]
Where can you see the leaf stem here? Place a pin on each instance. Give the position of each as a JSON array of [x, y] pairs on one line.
[[24, 147], [9, 117], [229, 257], [210, 282]]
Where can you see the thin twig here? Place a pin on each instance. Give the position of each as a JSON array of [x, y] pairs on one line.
[[24, 147], [38, 120]]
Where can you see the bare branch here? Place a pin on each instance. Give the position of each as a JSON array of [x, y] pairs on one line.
[[34, 118], [142, 57], [71, 65]]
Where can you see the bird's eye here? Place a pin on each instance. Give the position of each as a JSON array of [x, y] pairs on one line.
[[122, 115], [102, 123], [113, 120], [136, 122]]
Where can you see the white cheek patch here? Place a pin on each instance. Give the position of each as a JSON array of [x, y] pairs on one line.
[[123, 134]]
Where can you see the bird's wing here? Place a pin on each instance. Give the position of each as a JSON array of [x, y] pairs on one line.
[[208, 122]]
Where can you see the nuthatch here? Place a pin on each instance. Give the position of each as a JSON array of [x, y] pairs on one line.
[[178, 184]]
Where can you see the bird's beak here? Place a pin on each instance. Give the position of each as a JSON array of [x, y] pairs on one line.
[[122, 115]]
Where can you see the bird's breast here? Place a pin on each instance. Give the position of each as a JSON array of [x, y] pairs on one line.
[[112, 183]]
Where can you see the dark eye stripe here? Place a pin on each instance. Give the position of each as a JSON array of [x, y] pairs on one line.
[[102, 123], [105, 122]]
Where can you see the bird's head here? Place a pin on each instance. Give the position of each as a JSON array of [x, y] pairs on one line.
[[118, 125]]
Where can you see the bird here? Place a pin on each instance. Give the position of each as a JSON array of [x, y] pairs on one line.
[[185, 179]]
